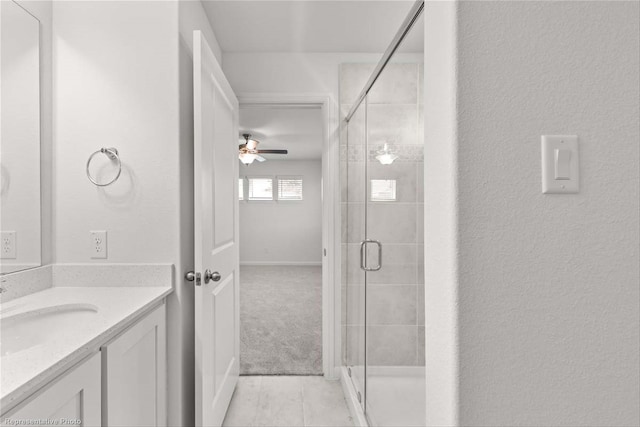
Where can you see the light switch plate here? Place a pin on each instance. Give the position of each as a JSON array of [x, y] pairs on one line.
[[553, 148]]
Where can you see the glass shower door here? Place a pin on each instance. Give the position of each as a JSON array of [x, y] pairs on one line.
[[383, 284], [395, 380], [354, 278]]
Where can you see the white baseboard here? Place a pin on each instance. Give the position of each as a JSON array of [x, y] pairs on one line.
[[296, 263], [351, 397]]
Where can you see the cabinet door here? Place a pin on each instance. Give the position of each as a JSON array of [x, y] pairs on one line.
[[134, 382], [73, 399]]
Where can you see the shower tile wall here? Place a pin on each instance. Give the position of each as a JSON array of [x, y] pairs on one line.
[[395, 307]]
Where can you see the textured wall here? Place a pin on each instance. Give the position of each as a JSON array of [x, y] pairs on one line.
[[549, 294]]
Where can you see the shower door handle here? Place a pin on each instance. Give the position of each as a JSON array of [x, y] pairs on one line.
[[363, 246]]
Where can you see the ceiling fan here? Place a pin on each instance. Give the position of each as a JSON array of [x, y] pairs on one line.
[[249, 150]]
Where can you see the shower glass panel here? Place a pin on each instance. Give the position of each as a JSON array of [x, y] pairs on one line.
[[383, 274], [394, 294], [353, 167], [382, 179]]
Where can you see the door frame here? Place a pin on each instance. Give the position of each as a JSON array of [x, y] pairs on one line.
[[331, 295]]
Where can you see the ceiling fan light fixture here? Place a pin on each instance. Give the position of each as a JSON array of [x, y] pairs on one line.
[[247, 158], [386, 156], [249, 150]]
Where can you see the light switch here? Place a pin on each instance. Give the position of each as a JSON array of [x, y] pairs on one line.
[[563, 164], [560, 164]]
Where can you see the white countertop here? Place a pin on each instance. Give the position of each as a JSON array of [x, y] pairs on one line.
[[21, 373]]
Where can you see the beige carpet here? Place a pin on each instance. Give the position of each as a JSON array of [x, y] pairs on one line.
[[280, 320]]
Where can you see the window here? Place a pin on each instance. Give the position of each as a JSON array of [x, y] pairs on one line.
[[260, 189], [289, 188], [383, 190], [241, 189]]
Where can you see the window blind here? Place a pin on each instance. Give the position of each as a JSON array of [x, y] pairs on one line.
[[289, 188], [383, 190], [260, 189]]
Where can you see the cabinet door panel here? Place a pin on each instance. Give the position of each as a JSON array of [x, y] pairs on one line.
[[73, 399], [135, 374]]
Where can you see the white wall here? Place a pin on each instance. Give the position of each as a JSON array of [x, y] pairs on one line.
[[283, 232], [441, 215], [115, 85], [193, 17], [123, 78], [116, 89], [548, 293]]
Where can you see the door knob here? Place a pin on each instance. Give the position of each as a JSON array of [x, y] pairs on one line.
[[191, 276], [208, 275]]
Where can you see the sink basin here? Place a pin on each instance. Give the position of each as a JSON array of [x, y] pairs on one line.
[[28, 329]]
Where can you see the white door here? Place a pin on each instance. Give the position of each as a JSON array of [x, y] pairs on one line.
[[217, 333]]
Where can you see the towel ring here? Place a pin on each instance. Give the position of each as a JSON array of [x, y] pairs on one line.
[[111, 153]]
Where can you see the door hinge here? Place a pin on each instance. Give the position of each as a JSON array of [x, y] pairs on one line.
[[325, 251], [349, 371], [359, 397]]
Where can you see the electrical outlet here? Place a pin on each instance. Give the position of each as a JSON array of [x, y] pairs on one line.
[[98, 244], [8, 241]]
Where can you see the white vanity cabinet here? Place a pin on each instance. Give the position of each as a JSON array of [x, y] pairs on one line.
[[122, 384], [72, 399], [134, 374]]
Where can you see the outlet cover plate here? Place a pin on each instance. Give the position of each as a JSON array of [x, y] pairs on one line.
[[8, 245], [98, 244]]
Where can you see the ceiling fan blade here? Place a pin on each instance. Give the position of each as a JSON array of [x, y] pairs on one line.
[[241, 146], [260, 158], [272, 151]]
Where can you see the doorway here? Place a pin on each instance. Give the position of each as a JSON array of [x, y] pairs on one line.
[[322, 109], [281, 252]]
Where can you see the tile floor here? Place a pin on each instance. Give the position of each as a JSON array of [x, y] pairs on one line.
[[280, 401]]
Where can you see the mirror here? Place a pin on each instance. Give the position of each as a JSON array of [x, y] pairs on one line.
[[20, 223]]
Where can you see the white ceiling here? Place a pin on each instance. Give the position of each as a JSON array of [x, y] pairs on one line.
[[310, 25], [298, 130]]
